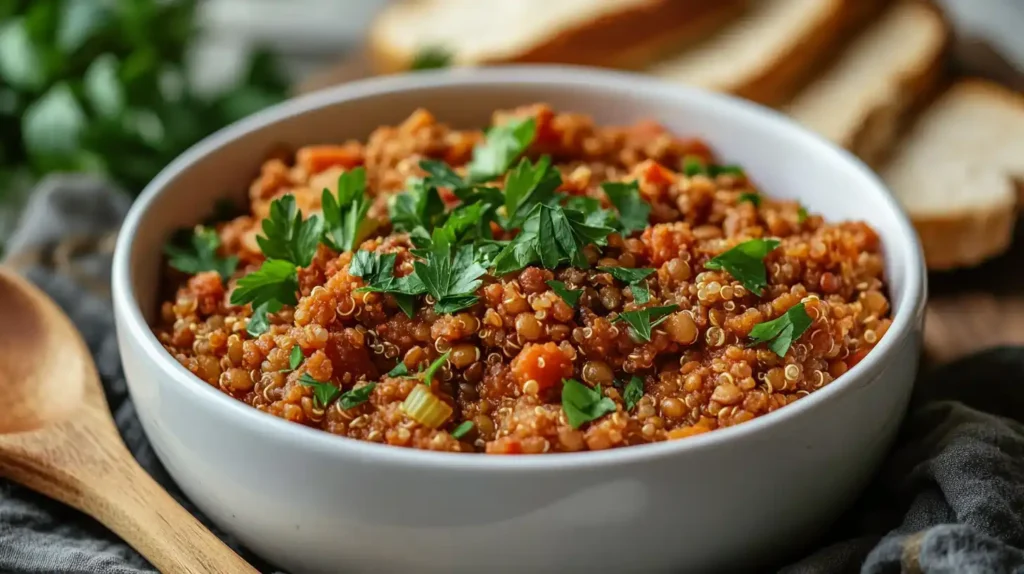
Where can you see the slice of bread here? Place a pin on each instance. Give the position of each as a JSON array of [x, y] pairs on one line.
[[957, 170], [610, 33], [771, 50], [860, 102]]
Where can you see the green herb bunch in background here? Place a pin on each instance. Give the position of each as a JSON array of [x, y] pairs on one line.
[[101, 86]]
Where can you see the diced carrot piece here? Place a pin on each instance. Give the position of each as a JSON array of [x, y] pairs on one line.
[[314, 159], [546, 364]]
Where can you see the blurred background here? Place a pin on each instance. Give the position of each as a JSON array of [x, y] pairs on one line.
[[120, 87]]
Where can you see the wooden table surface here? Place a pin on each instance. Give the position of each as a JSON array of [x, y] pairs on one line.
[[968, 310]]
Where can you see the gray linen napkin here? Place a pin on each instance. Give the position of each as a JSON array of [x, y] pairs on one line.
[[949, 499]]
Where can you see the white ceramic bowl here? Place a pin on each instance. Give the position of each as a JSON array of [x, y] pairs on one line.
[[312, 502]]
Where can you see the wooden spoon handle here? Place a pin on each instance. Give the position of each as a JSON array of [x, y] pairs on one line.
[[141, 512]]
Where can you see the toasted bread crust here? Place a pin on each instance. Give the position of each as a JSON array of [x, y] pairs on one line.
[[873, 141], [791, 69], [965, 238], [627, 39]]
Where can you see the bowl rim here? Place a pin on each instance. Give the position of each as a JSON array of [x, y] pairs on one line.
[[132, 322]]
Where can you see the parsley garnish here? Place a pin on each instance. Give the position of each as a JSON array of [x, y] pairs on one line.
[[440, 174], [356, 397], [633, 210], [693, 165], [461, 430], [377, 271], [633, 393], [583, 404], [418, 206], [259, 322], [274, 282], [428, 375], [502, 146], [745, 263], [635, 279], [551, 235], [323, 393], [752, 197], [642, 321], [400, 370], [287, 236], [801, 214], [430, 58], [201, 256], [570, 296], [528, 185], [345, 221], [450, 279], [295, 358], [780, 333], [716, 170], [591, 208]]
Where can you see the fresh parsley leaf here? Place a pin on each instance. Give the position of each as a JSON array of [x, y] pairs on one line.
[[323, 393], [274, 283], [428, 375], [591, 208], [693, 165], [635, 279], [633, 393], [745, 263], [461, 430], [633, 210], [551, 235], [430, 58], [502, 146], [377, 271], [801, 214], [419, 206], [287, 236], [201, 255], [780, 332], [583, 404], [570, 296], [528, 185], [295, 358], [345, 221], [717, 170], [450, 279], [643, 321], [752, 197], [259, 323], [440, 174], [400, 370], [356, 397]]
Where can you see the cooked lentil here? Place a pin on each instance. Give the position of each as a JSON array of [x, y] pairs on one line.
[[511, 351]]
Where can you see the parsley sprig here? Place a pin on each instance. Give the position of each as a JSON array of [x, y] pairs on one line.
[[500, 149], [643, 321], [745, 263], [633, 210], [289, 242], [570, 296], [201, 255], [450, 275], [583, 404], [635, 279], [345, 221], [323, 393], [551, 235], [780, 332], [633, 392]]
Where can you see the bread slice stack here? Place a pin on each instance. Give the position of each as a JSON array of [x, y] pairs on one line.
[[864, 97], [958, 171], [863, 73], [610, 33]]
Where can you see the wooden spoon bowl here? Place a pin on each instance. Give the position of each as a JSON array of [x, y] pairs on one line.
[[61, 439]]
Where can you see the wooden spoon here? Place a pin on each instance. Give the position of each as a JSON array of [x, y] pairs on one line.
[[65, 445]]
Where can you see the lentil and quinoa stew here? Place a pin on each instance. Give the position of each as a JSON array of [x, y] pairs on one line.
[[549, 286]]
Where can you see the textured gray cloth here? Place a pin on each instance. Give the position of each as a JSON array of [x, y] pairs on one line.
[[949, 499]]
